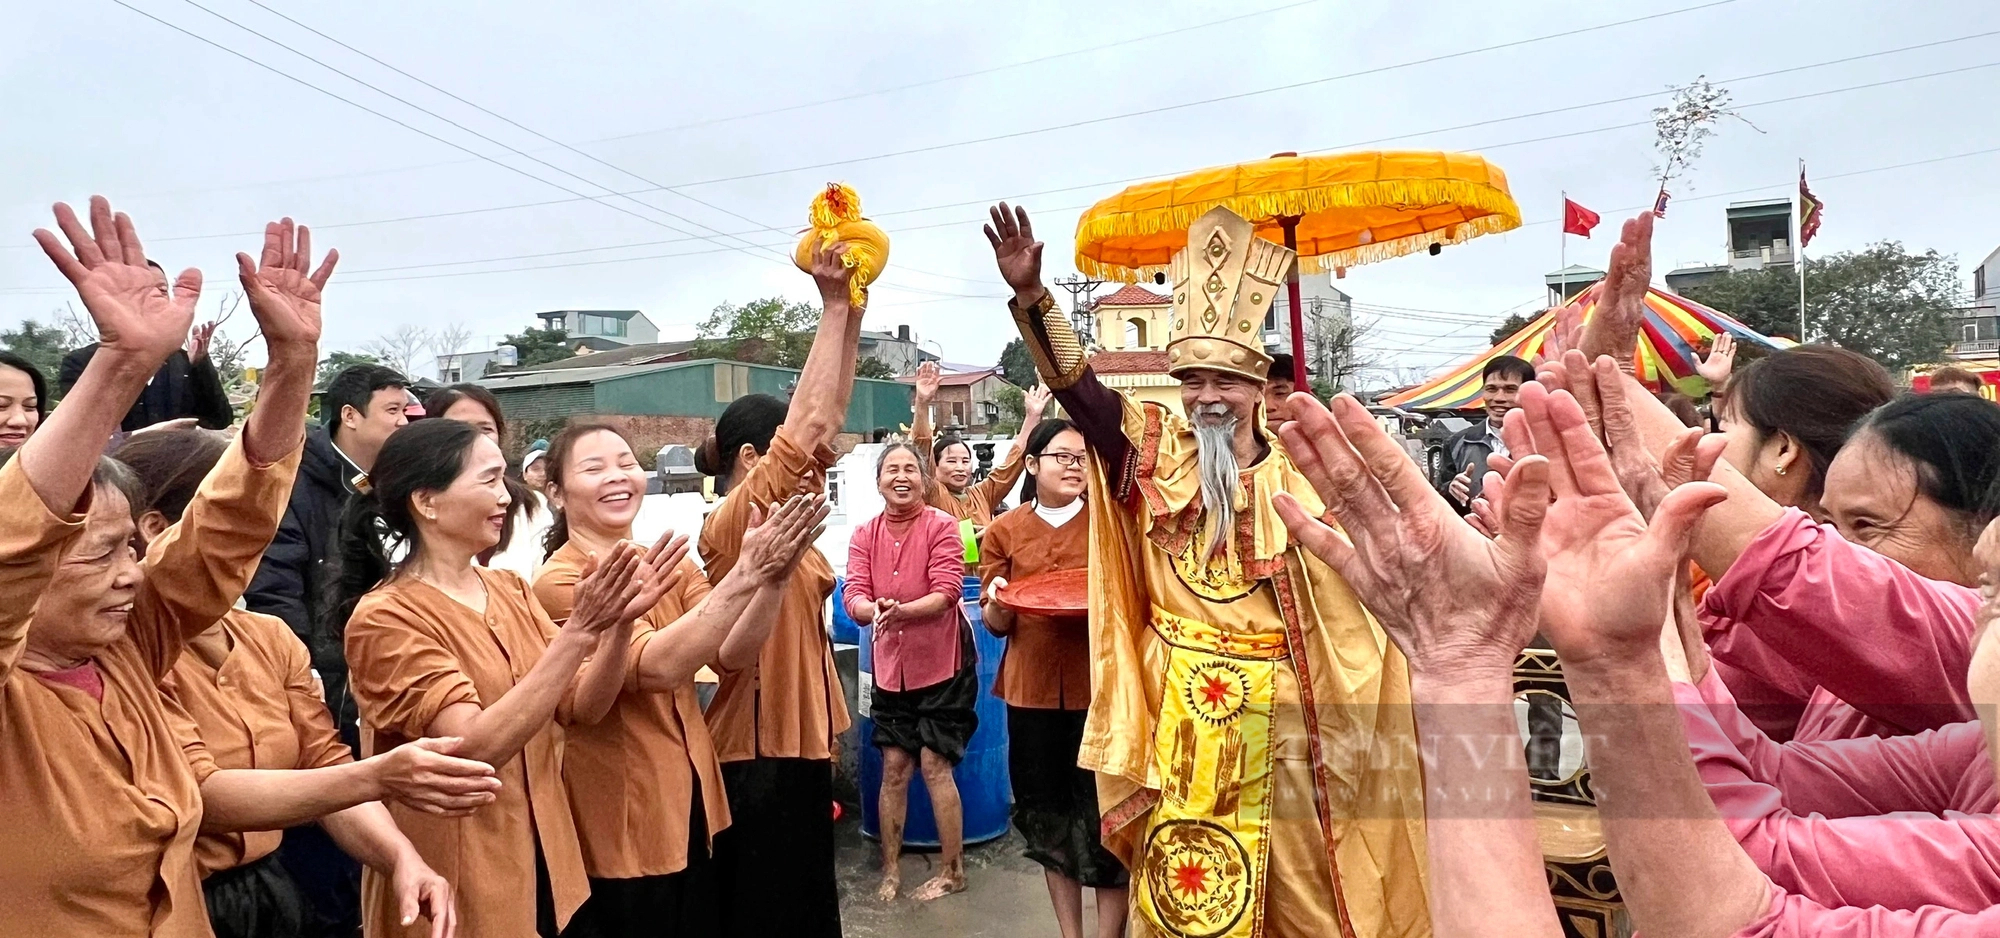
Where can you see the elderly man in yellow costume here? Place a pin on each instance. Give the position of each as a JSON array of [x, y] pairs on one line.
[[1249, 723]]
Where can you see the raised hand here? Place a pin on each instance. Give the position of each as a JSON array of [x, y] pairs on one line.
[[283, 296], [929, 375], [425, 776], [1721, 360], [831, 273], [1621, 301], [775, 543], [607, 590], [1689, 458], [128, 301], [1036, 400], [1017, 252], [1450, 598], [1610, 573], [199, 339], [658, 574]]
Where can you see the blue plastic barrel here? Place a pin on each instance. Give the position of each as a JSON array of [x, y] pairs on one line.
[[984, 790], [845, 632]]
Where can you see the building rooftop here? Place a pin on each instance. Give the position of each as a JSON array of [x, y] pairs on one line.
[[953, 379], [613, 313], [644, 353], [1134, 295]]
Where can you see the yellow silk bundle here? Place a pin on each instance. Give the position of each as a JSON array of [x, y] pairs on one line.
[[836, 217]]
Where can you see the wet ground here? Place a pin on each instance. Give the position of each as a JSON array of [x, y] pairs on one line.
[[1004, 898]]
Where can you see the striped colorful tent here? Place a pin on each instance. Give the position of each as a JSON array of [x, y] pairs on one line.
[[1675, 328]]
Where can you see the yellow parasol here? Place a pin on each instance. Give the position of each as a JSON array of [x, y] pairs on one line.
[[1337, 210]]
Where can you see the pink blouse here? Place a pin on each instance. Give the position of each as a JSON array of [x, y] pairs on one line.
[[1900, 822], [1802, 608], [928, 558]]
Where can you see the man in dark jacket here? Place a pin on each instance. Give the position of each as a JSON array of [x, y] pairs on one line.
[[185, 386], [361, 406], [1467, 449]]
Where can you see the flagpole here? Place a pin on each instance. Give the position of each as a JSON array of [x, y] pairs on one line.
[[1799, 223], [1562, 253]]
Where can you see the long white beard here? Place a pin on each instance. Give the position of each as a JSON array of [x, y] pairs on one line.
[[1215, 448]]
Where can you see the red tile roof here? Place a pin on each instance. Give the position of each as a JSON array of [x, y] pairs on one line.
[[1129, 363], [1134, 295]]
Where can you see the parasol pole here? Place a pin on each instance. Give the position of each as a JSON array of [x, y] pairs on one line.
[[1290, 223]]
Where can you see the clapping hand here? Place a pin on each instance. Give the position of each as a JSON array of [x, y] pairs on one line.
[[283, 297], [607, 590], [658, 574], [1017, 253], [127, 300], [199, 339], [1453, 600], [885, 615], [426, 776], [1610, 573], [775, 543]]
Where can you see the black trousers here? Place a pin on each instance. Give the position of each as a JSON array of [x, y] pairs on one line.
[[775, 862]]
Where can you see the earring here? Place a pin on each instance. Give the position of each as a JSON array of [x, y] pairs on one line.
[[1781, 469]]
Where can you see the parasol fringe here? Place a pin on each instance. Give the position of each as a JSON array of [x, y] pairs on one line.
[[1500, 214]]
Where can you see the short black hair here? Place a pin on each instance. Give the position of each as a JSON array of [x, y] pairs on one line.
[[353, 387], [1953, 442], [1508, 366], [752, 419], [1281, 368], [35, 378]]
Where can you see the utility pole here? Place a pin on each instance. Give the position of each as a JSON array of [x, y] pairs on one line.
[[1079, 288]]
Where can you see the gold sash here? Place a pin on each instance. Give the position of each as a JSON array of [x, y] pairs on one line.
[[1207, 843]]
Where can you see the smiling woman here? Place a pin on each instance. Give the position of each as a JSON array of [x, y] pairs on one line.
[[905, 576]]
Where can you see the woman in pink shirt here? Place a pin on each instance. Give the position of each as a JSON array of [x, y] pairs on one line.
[[905, 577]]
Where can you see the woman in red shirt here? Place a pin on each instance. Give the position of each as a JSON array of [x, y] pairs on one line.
[[905, 576]]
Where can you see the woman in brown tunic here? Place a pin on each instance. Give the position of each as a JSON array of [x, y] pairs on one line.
[[102, 799], [1045, 679], [247, 683], [440, 646], [645, 787], [774, 722], [951, 485]]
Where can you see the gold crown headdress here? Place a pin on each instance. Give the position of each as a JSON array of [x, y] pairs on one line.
[[1224, 283]]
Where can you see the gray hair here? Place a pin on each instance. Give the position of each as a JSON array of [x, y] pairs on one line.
[[1215, 448], [923, 465]]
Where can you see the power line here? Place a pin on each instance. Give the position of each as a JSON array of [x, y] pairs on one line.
[[1162, 109], [276, 71], [1111, 182]]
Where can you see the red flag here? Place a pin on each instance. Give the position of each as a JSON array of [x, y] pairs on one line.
[[1578, 220], [1660, 204], [1809, 210]]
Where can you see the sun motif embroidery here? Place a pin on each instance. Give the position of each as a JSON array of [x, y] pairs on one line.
[[1216, 691]]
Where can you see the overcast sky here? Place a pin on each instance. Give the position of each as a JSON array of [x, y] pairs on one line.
[[739, 106]]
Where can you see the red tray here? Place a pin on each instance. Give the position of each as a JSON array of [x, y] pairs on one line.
[[1055, 593]]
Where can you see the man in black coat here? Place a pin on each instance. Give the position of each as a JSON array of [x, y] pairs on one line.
[[361, 406], [1467, 449], [185, 386]]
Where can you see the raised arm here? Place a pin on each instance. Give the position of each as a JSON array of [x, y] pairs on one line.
[[139, 324], [203, 564], [1614, 330], [1610, 580], [928, 377], [826, 383], [1000, 481], [1097, 411], [1460, 607]]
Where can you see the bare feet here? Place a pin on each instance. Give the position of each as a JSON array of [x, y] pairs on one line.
[[892, 883], [941, 885]]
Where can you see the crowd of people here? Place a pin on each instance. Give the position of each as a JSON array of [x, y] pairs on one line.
[[270, 678]]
